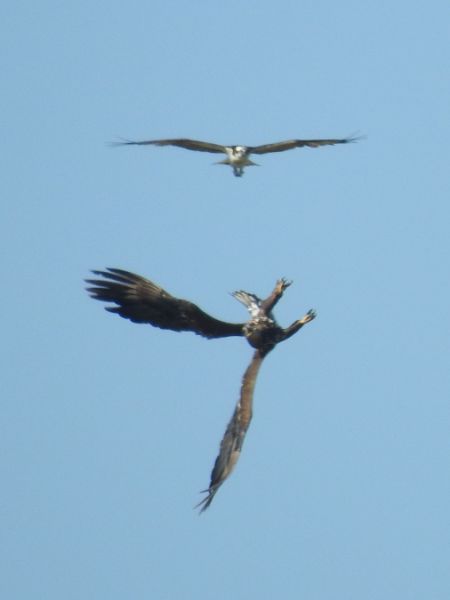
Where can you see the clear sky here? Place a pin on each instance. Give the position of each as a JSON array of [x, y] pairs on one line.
[[109, 429]]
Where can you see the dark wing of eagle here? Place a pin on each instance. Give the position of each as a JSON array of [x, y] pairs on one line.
[[142, 301], [181, 143], [290, 144], [233, 439]]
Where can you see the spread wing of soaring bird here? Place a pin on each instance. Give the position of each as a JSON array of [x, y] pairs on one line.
[[290, 144], [219, 148], [180, 142], [238, 156], [142, 301], [231, 444]]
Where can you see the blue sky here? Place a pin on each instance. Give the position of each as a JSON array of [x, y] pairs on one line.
[[109, 429]]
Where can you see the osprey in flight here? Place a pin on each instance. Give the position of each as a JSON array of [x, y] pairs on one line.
[[142, 301], [238, 157]]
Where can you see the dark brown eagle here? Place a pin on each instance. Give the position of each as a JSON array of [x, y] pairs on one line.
[[238, 156], [142, 301]]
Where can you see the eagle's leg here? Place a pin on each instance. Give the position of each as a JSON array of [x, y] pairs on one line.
[[278, 291], [297, 325]]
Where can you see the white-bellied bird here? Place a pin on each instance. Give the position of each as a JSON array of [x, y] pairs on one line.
[[238, 157]]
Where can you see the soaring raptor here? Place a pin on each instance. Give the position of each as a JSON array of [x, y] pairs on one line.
[[142, 301], [238, 157]]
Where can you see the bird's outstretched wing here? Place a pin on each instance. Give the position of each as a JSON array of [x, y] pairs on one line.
[[232, 441], [142, 301], [181, 143], [290, 144]]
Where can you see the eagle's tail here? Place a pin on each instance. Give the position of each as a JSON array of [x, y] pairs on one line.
[[251, 301]]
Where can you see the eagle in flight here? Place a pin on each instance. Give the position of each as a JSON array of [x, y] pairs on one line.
[[238, 157], [142, 301]]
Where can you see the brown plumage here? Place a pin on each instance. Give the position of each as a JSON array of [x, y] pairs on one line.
[[233, 439], [264, 334], [142, 301], [291, 144]]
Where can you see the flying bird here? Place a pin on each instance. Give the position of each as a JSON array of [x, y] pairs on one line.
[[238, 157], [142, 301]]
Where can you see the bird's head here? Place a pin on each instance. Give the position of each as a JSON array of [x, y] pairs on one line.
[[239, 151]]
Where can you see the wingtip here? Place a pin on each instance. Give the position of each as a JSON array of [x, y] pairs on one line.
[[120, 142], [355, 137], [205, 502]]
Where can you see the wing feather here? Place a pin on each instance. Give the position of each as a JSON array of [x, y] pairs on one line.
[[142, 301], [179, 142], [233, 439], [290, 144]]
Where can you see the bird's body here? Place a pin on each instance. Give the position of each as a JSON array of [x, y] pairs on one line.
[[238, 156], [142, 301]]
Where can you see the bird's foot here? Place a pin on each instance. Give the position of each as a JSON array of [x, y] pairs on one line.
[[310, 315], [281, 285]]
